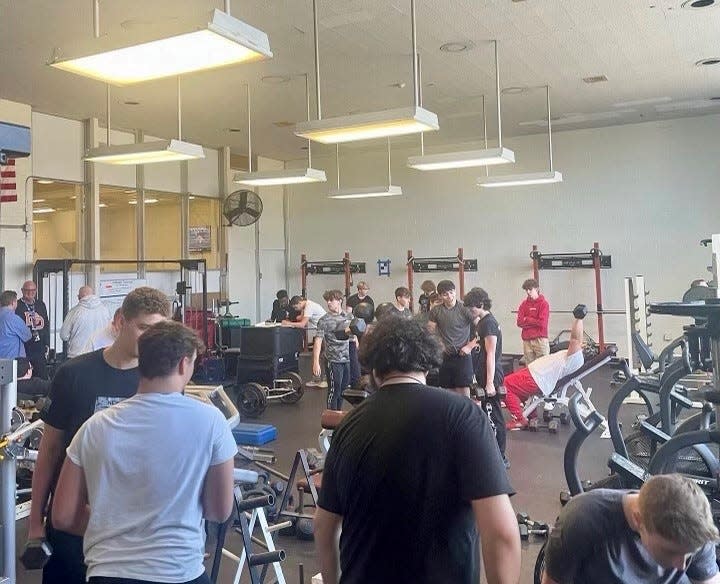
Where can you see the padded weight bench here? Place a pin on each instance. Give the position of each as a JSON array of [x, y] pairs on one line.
[[559, 396]]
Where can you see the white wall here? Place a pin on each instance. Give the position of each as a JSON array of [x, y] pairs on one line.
[[647, 193], [57, 147], [17, 242], [242, 264]]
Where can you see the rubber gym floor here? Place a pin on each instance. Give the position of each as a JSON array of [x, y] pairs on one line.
[[536, 474]]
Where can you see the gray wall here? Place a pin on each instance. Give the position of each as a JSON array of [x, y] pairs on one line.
[[646, 192]]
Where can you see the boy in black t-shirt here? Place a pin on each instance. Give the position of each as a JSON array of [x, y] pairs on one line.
[[82, 386], [487, 362], [404, 432]]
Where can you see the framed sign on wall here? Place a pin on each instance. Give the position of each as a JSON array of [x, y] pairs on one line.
[[199, 239]]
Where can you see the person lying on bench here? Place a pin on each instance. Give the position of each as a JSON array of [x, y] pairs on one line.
[[664, 533], [542, 375]]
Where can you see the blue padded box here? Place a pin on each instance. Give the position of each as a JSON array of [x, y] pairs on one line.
[[254, 434]]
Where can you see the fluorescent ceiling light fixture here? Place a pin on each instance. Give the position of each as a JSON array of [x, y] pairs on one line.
[[44, 210], [224, 41], [146, 152], [466, 159], [147, 201], [102, 205], [517, 180], [280, 177], [365, 192], [35, 201], [469, 158], [395, 122], [45, 181], [529, 178]]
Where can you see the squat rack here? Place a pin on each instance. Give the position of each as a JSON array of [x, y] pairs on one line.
[[456, 263], [43, 268], [333, 267], [594, 260]]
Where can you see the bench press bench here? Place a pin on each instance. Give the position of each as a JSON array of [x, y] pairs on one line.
[[560, 396]]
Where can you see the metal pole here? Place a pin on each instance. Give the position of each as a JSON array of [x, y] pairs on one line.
[[550, 149], [410, 277], [536, 265], [96, 18], [8, 400], [416, 87], [487, 169], [303, 276], [337, 163], [420, 102], [227, 7], [249, 130], [346, 267], [461, 272], [107, 111], [179, 109], [307, 99], [317, 60], [598, 295], [497, 93]]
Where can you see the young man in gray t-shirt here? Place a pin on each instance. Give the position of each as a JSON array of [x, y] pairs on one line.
[[333, 341], [665, 534], [455, 325]]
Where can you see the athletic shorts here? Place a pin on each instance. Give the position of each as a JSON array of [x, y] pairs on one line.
[[456, 371]]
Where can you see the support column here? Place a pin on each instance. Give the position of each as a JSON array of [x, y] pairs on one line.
[[224, 191], [140, 207], [89, 243], [184, 210]]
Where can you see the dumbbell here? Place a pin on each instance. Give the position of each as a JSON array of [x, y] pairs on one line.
[[356, 327], [580, 311], [524, 519], [36, 554], [526, 532]]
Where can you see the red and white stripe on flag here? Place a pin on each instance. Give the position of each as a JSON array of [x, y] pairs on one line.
[[8, 182]]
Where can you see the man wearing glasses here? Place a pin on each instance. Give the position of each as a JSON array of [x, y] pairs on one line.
[[35, 315]]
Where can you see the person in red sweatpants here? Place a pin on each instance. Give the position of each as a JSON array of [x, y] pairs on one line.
[[541, 375]]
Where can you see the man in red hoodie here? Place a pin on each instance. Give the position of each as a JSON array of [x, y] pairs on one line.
[[532, 318]]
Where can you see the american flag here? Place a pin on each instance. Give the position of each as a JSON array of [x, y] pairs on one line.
[[8, 185]]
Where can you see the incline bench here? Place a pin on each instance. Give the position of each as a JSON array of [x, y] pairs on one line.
[[559, 396]]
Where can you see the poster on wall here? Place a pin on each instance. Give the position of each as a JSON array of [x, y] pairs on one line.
[[112, 291], [199, 239]]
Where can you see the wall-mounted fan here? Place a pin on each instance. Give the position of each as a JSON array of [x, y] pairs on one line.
[[242, 208]]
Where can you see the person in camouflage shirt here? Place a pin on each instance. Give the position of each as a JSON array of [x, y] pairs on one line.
[[333, 341]]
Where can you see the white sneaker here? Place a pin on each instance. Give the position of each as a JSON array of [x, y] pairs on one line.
[[314, 382], [323, 384]]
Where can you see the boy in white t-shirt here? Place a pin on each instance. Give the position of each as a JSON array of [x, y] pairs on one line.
[[310, 313], [134, 485], [541, 376]]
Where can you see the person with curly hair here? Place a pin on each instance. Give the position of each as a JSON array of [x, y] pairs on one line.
[[413, 477]]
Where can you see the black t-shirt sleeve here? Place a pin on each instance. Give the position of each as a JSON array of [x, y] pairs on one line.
[[329, 496], [479, 466], [584, 522], [61, 402], [488, 327]]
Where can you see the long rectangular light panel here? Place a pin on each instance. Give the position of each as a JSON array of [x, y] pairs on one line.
[[146, 152], [365, 192], [465, 159], [225, 41], [516, 180], [396, 122], [280, 177]]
